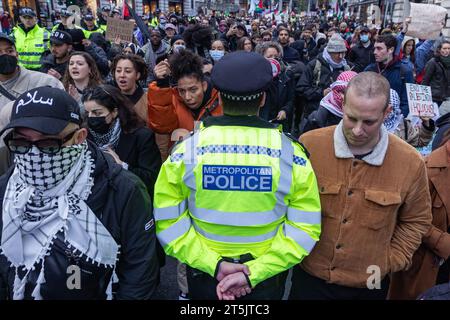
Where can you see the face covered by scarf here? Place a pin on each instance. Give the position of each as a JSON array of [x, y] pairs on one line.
[[46, 197], [44, 171], [394, 118], [334, 100]]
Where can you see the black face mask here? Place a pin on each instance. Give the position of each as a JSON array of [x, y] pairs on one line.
[[8, 64], [98, 125]]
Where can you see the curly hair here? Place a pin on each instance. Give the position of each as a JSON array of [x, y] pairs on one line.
[[137, 61], [198, 36], [111, 98], [186, 63], [94, 75]]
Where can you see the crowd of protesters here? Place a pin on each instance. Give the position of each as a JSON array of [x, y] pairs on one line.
[[138, 99]]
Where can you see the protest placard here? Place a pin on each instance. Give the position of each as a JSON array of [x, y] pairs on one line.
[[121, 28], [426, 21], [420, 100]]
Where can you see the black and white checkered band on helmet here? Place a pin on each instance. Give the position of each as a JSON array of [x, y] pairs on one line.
[[241, 98]]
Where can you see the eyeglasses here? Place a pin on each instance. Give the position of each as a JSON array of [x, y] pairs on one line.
[[49, 146]]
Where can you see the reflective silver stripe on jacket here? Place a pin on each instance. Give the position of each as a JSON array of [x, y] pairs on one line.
[[300, 216], [235, 239], [171, 212], [174, 231], [303, 239]]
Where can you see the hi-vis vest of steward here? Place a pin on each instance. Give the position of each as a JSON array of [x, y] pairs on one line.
[[231, 190], [30, 46]]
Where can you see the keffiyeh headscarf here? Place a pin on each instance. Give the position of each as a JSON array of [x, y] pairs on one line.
[[395, 116], [110, 138], [334, 100], [47, 195]]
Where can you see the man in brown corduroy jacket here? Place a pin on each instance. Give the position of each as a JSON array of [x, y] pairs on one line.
[[375, 200]]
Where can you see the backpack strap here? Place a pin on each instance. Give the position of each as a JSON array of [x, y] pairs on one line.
[[317, 72]]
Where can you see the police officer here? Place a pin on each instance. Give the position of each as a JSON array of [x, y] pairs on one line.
[[64, 15], [103, 17], [31, 40], [90, 26], [237, 201]]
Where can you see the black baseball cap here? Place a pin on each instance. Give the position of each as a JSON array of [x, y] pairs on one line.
[[44, 109], [60, 37], [88, 17], [106, 8], [7, 38], [65, 13], [27, 12]]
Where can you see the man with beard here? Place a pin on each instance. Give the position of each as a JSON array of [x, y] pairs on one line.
[[289, 54], [69, 212], [55, 64]]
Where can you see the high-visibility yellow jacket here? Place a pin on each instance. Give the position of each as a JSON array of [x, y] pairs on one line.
[[31, 45], [237, 186], [87, 33], [154, 22]]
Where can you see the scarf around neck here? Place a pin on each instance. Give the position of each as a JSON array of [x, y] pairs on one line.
[[32, 220], [333, 64], [109, 139]]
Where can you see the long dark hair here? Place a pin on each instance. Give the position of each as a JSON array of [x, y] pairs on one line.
[[111, 98], [94, 75], [241, 43]]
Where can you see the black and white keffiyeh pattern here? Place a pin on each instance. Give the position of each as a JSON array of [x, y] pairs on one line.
[[111, 138], [33, 217]]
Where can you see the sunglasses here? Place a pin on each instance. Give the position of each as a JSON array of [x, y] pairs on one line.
[[49, 146]]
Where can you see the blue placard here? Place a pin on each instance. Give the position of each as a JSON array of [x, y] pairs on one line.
[[237, 178]]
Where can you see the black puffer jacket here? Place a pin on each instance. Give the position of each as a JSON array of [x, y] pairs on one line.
[[120, 201], [438, 78]]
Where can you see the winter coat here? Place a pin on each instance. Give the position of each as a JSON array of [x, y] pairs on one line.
[[99, 56], [311, 87], [398, 74], [435, 247], [371, 214], [120, 201], [361, 56], [49, 62], [443, 124], [280, 97], [27, 80], [167, 112], [438, 78]]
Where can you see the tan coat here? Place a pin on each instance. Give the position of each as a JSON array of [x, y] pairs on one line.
[[374, 211], [436, 243]]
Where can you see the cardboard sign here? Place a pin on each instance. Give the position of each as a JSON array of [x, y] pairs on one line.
[[121, 28], [420, 100], [426, 21]]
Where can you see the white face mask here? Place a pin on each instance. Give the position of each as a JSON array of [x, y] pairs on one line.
[[178, 47]]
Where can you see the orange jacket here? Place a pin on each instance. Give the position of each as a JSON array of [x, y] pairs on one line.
[[167, 112]]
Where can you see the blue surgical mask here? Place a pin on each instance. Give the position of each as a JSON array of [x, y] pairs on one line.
[[216, 55], [364, 38], [178, 47]]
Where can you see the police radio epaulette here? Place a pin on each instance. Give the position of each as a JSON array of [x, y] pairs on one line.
[[299, 143]]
